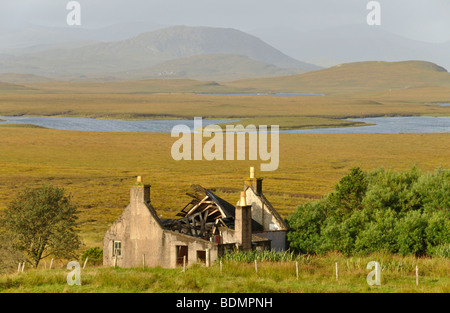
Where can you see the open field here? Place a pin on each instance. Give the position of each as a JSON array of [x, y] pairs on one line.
[[363, 89], [178, 105], [288, 112], [99, 168], [316, 274]]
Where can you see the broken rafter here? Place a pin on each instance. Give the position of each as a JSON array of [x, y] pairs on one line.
[[196, 206], [208, 207], [195, 225]]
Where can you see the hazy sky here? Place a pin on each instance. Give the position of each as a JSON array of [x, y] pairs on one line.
[[427, 20]]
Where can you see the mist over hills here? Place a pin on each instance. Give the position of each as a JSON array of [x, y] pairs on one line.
[[353, 43], [122, 52], [33, 37], [150, 49]]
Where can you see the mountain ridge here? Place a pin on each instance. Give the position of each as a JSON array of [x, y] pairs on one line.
[[207, 67], [147, 50]]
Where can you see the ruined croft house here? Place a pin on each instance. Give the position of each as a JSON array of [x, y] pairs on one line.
[[204, 229]]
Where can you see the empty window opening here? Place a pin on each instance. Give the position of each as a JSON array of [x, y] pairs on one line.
[[201, 256], [182, 251]]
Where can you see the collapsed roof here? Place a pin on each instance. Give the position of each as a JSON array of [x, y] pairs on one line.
[[204, 214]]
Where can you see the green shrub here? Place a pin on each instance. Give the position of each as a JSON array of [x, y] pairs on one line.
[[411, 234], [306, 224], [379, 234], [350, 192], [442, 251], [406, 212], [95, 255]]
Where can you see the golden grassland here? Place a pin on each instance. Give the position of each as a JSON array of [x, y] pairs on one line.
[[356, 78], [316, 274], [98, 168], [364, 89], [310, 111]]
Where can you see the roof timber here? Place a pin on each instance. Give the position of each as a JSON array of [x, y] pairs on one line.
[[202, 216], [192, 210]]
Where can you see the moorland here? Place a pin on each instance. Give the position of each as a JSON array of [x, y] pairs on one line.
[[98, 168]]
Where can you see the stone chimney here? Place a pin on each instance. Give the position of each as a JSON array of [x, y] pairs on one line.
[[252, 181], [243, 224], [140, 192]]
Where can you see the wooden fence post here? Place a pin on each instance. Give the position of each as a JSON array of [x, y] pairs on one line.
[[184, 263], [51, 264], [256, 267], [85, 261], [143, 261], [208, 261], [18, 269], [417, 275], [337, 272], [220, 267], [296, 269]]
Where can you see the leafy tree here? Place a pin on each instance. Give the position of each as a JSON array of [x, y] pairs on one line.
[[42, 222], [305, 225], [9, 257], [350, 191], [399, 212], [390, 189], [411, 238], [437, 233], [379, 234], [349, 231], [434, 191]]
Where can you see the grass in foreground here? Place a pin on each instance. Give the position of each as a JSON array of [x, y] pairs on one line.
[[316, 274]]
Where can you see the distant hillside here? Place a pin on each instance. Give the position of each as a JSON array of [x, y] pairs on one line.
[[147, 50], [22, 78], [353, 43], [357, 77], [216, 67], [7, 87], [33, 37]]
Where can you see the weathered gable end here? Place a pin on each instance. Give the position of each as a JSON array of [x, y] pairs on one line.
[[273, 226], [136, 235]]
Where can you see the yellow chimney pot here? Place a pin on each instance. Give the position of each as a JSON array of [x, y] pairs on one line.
[[243, 200]]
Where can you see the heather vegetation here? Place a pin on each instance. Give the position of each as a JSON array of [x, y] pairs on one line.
[[395, 216]]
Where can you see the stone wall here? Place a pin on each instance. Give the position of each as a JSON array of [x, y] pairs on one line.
[[143, 239]]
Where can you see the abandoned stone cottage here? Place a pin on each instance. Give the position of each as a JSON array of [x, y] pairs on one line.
[[207, 227]]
